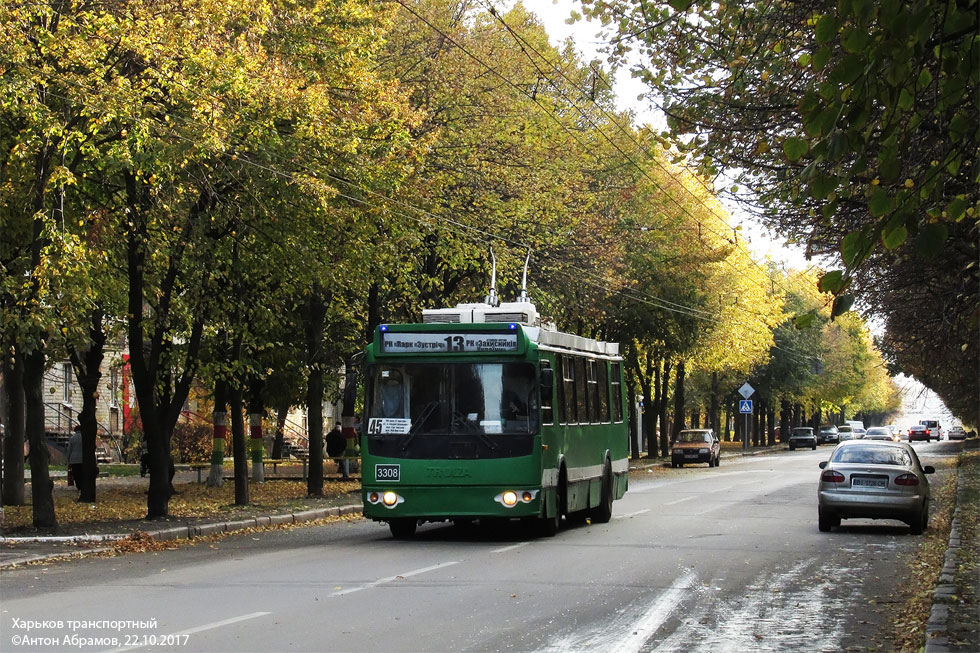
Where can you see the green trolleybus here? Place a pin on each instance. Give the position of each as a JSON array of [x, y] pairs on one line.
[[479, 412]]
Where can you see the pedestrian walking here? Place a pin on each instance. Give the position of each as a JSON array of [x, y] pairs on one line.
[[75, 455]]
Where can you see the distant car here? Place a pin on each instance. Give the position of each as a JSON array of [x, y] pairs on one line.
[[956, 433], [827, 434], [845, 432], [802, 436], [879, 433], [873, 480], [695, 446], [859, 432], [934, 427], [919, 432]]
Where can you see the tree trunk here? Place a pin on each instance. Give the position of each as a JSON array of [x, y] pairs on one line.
[[785, 423], [281, 414], [678, 401], [87, 365], [219, 434], [256, 446], [630, 382], [41, 485], [314, 390], [238, 446], [662, 409], [348, 416], [714, 418], [770, 424], [13, 442]]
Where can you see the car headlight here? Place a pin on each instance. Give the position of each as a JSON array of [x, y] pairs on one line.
[[702, 451]]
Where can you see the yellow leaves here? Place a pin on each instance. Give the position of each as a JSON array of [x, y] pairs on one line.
[[909, 183]]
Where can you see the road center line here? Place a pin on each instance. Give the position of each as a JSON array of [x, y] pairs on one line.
[[510, 548], [671, 503], [196, 629], [654, 617], [631, 514], [382, 581]]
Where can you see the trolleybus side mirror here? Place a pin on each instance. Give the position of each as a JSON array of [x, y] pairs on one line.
[[547, 380]]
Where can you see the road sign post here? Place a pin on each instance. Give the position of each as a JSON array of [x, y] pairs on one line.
[[745, 407]]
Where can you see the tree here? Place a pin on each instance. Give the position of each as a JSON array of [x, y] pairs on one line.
[[849, 126]]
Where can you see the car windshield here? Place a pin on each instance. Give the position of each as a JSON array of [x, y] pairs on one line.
[[802, 431], [873, 455], [878, 431], [694, 436]]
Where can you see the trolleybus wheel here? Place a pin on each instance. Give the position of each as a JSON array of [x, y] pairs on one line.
[[550, 525], [602, 513], [403, 527]]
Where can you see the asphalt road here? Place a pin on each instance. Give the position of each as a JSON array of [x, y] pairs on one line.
[[697, 559]]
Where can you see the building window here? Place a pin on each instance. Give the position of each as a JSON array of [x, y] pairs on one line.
[[66, 383]]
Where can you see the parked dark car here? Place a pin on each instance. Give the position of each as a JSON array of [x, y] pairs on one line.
[[827, 434], [802, 436], [695, 446]]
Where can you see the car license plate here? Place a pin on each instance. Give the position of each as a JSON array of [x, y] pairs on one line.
[[869, 483], [690, 455], [387, 473]]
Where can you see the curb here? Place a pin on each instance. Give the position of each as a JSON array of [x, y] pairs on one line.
[[937, 626], [176, 533]]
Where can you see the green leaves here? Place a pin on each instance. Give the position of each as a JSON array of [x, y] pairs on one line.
[[795, 148], [832, 282], [931, 239], [842, 304], [826, 29]]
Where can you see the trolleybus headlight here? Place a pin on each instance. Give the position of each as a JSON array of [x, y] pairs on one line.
[[510, 498], [391, 499], [373, 497]]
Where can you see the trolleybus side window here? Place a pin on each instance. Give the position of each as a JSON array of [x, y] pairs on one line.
[[616, 376], [568, 376], [581, 395], [603, 392], [593, 395], [547, 392]]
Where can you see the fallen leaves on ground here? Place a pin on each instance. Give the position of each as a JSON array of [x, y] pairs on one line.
[[909, 618], [193, 500]]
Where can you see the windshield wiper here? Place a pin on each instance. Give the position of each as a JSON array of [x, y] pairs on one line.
[[427, 410], [466, 425]]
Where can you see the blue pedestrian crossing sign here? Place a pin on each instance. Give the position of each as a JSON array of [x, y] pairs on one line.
[[745, 406]]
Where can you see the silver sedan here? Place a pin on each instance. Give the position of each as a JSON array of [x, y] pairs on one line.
[[875, 480]]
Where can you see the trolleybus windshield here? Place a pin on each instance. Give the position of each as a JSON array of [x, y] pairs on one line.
[[452, 410]]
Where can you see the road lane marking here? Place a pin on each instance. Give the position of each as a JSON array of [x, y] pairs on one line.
[[640, 627], [672, 503], [382, 581], [654, 617], [631, 514], [197, 629], [510, 548]]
